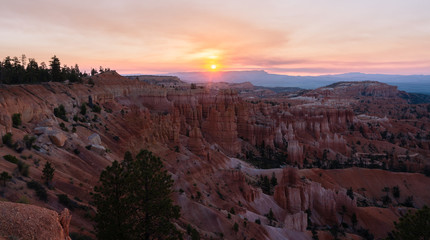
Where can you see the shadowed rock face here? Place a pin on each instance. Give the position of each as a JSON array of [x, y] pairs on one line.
[[24, 221], [200, 134]]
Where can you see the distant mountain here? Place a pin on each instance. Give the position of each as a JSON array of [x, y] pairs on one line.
[[408, 83]]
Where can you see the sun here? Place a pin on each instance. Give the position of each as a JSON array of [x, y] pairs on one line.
[[213, 66]]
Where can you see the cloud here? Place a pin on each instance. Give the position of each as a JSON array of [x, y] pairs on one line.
[[178, 35]]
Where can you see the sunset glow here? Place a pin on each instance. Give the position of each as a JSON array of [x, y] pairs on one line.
[[173, 36], [213, 66]]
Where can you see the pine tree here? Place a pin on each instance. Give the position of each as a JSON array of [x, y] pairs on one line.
[[113, 207], [413, 226], [48, 173], [55, 65], [273, 180], [133, 200]]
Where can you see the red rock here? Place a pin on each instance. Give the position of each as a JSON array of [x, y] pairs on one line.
[[25, 221]]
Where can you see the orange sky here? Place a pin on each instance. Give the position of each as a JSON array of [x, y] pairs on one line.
[[302, 37]]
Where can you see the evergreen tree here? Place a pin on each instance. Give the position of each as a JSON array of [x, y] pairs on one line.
[[56, 73], [273, 180], [48, 173], [412, 226], [354, 220], [113, 207], [133, 200]]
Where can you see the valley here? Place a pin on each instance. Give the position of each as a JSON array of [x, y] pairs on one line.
[[346, 160]]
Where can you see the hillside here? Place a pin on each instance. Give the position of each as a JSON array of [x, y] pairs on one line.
[[408, 83], [333, 152]]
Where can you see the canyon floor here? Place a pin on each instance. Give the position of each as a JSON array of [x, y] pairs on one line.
[[345, 160]]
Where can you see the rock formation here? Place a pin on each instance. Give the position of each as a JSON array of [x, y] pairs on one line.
[[206, 134], [25, 221]]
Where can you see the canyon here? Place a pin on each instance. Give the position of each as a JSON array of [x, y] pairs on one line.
[[336, 152]]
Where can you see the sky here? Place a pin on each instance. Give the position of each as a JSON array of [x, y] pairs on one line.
[[295, 37]]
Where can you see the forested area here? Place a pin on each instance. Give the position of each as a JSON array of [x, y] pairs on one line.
[[22, 70]]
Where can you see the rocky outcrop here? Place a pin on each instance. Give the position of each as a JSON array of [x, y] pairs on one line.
[[58, 138], [195, 142], [25, 221], [95, 139], [297, 196]]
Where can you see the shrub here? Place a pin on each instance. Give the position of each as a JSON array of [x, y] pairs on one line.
[[409, 202], [258, 221], [7, 140], [83, 109], [350, 193], [60, 112], [16, 120], [396, 191], [40, 190], [78, 236], [232, 211], [11, 158], [4, 176], [23, 199], [63, 127], [236, 227], [28, 141], [97, 109], [23, 168], [67, 202], [195, 234]]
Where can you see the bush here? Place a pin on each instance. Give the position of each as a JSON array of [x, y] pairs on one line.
[[232, 211], [28, 141], [7, 140], [350, 193], [23, 168], [409, 202], [195, 234], [67, 202], [78, 236], [236, 227], [11, 158], [63, 127], [83, 109], [4, 176], [396, 191], [40, 190], [258, 221], [60, 112], [23, 199], [97, 109], [16, 120]]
